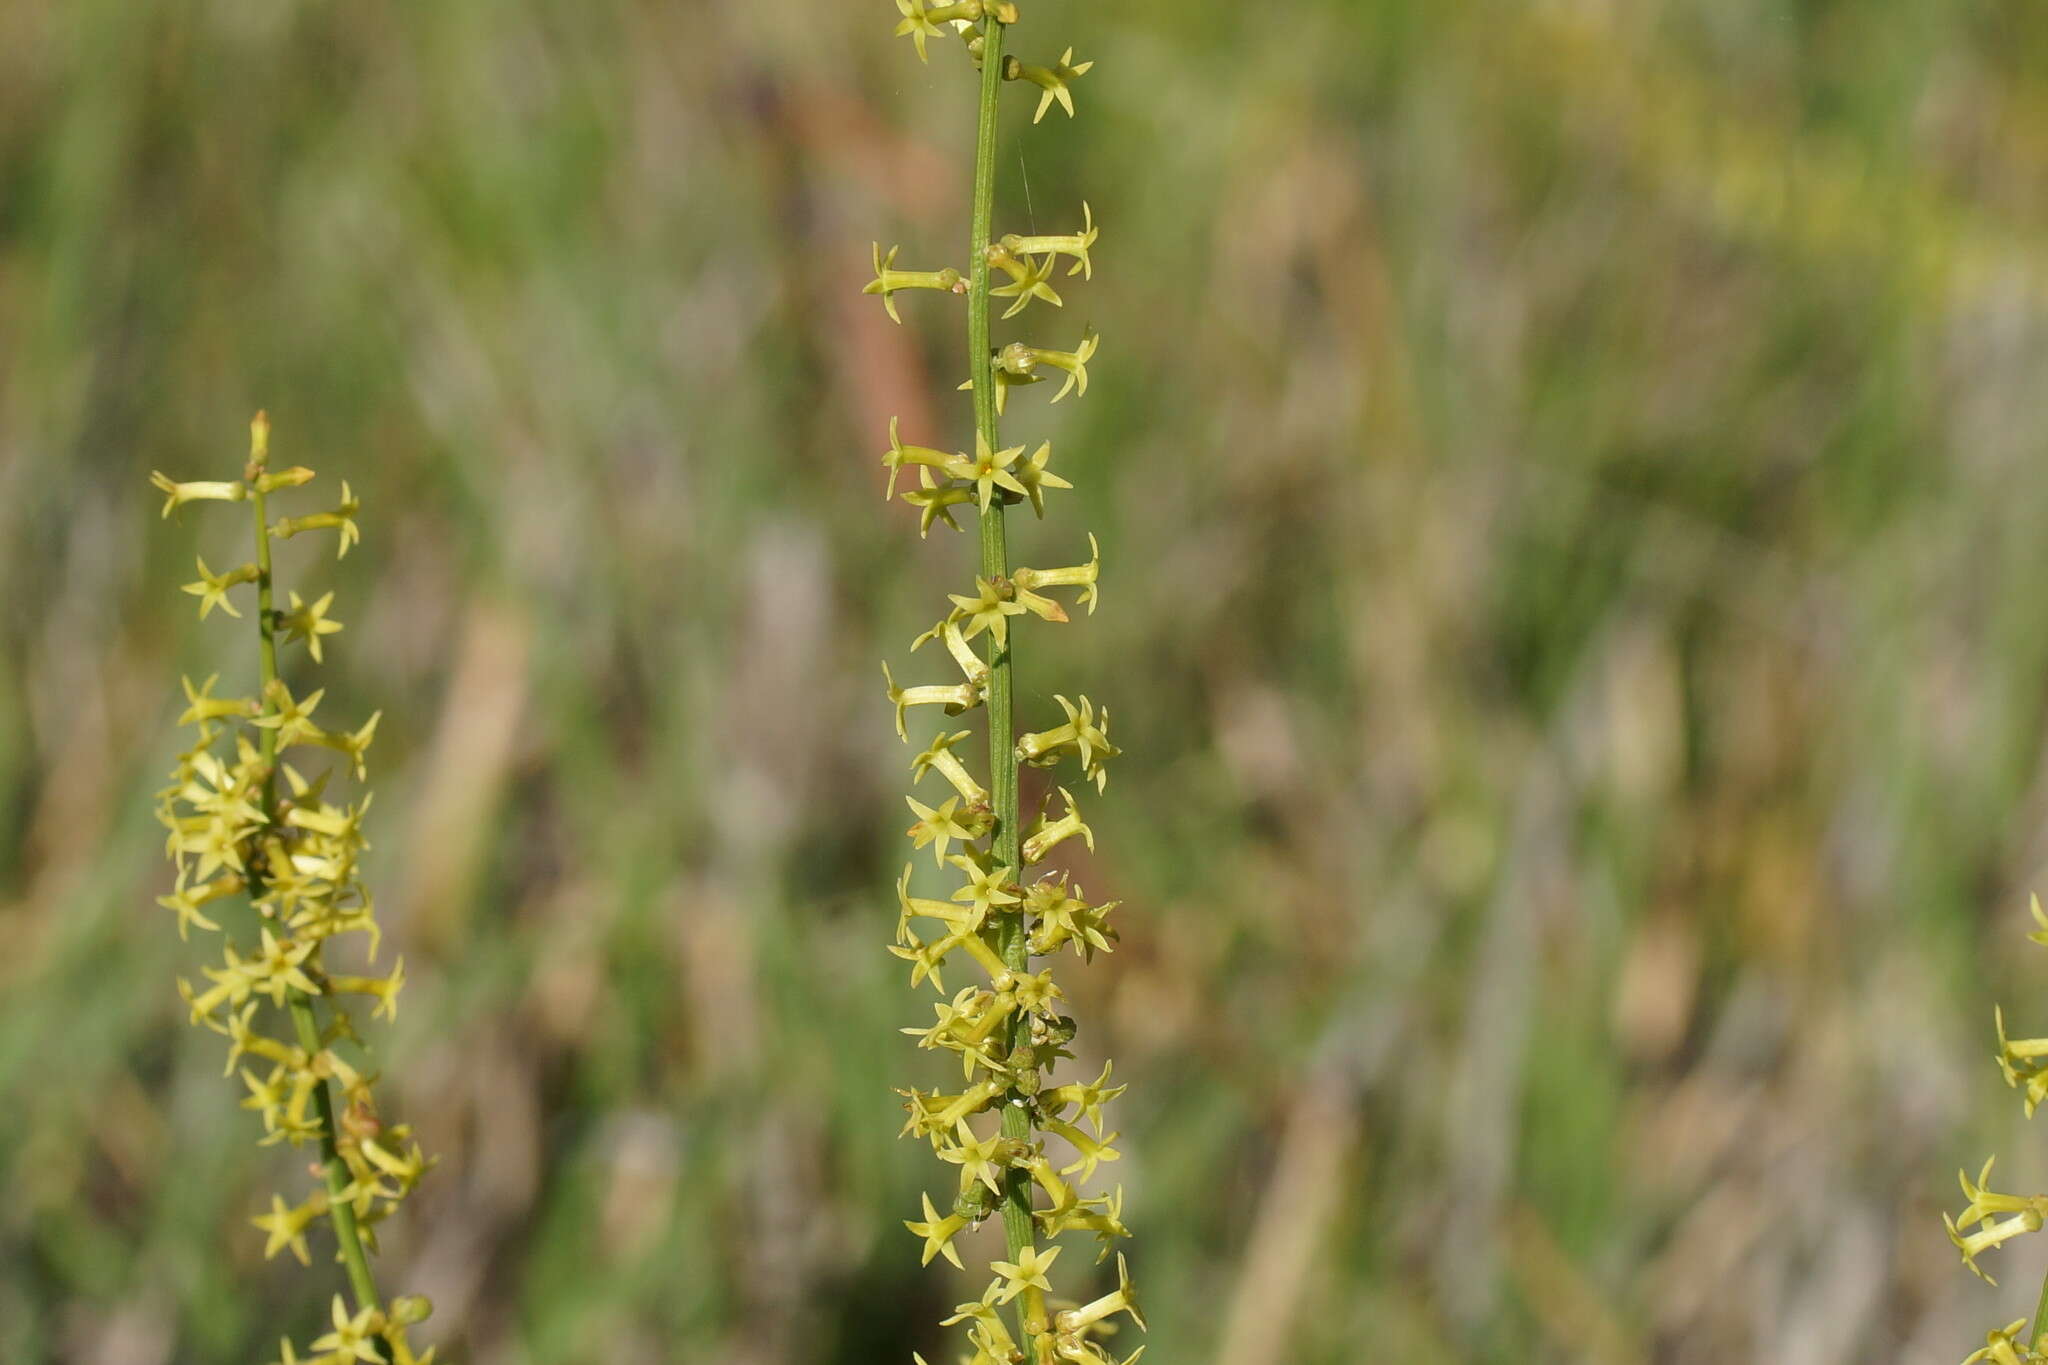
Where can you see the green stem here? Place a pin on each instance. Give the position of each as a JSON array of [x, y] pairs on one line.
[[2039, 1339], [995, 566], [340, 1212]]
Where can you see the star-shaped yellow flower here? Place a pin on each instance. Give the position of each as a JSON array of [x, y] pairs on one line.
[[1026, 1272]]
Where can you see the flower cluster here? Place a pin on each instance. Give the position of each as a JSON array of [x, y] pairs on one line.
[[1989, 1219], [250, 827], [1024, 1146]]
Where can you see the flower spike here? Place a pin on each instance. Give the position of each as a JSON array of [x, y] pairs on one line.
[[1002, 923], [242, 823]]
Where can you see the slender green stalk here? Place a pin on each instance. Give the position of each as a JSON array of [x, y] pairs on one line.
[[340, 1210], [1008, 930]]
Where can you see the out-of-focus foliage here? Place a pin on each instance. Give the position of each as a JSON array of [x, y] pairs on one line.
[[1577, 484]]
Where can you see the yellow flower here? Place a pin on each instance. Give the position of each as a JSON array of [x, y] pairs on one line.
[[1123, 1300], [2002, 1347], [939, 827], [1052, 80], [990, 609], [1046, 835], [1026, 1272], [212, 588], [202, 706], [1029, 279], [178, 494], [889, 280], [287, 1226], [341, 520], [353, 1338], [977, 1159], [938, 1233], [1075, 244], [989, 470], [309, 623], [956, 698]]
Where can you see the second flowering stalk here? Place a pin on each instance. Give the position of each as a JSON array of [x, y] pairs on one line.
[[248, 822]]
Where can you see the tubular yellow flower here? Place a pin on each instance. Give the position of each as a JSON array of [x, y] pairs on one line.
[[1074, 244], [1053, 80], [889, 280], [2002, 1347], [941, 759], [1008, 1033], [178, 494], [293, 855]]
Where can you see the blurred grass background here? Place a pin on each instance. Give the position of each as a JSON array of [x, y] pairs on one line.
[[1571, 486]]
